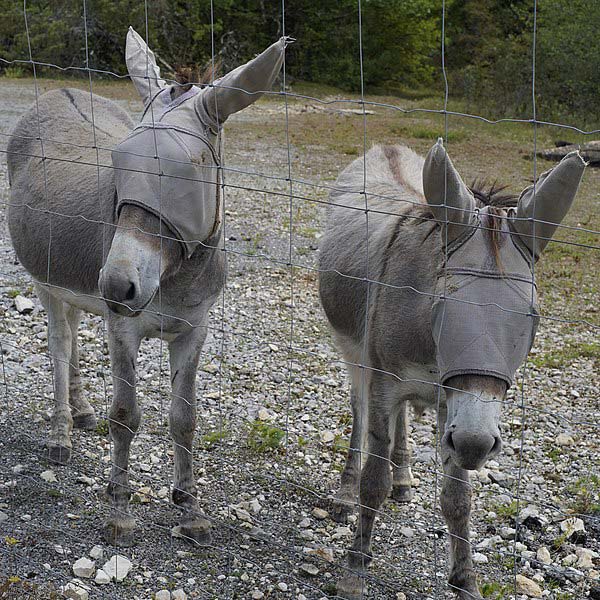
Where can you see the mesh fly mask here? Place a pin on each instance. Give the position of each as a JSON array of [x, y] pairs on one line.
[[170, 169], [484, 322]]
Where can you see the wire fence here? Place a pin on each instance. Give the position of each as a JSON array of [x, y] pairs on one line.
[[272, 399]]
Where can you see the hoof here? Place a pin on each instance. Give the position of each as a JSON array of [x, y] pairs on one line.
[[120, 532], [60, 455], [85, 421], [196, 531], [351, 588], [342, 506], [464, 585], [402, 493]]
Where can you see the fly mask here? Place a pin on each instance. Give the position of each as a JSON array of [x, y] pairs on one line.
[[170, 167], [485, 316]]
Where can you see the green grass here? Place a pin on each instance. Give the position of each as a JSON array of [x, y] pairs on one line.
[[102, 427], [495, 590], [563, 357], [586, 495], [507, 511], [263, 437], [210, 440]]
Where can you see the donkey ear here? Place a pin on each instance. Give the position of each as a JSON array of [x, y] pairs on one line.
[[446, 193], [245, 84], [539, 214], [142, 67]]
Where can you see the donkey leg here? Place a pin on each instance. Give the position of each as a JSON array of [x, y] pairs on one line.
[[401, 456], [455, 499], [347, 496], [81, 410], [124, 420], [375, 483], [59, 346], [184, 354]]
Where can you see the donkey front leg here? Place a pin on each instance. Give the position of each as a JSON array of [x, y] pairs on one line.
[[59, 346], [124, 420], [184, 353], [402, 484], [347, 496], [455, 499], [375, 482], [81, 410]]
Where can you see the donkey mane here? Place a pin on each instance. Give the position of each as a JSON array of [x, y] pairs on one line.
[[188, 75]]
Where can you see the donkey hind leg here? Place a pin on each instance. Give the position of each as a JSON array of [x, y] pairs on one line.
[[81, 410], [124, 420], [375, 481], [347, 496], [402, 482], [184, 354], [455, 499], [59, 347]]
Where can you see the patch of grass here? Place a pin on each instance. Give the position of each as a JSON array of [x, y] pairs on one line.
[[263, 437], [13, 293], [559, 541], [15, 72], [495, 590], [586, 492], [556, 359], [421, 132], [211, 439], [554, 454], [508, 511], [102, 427]]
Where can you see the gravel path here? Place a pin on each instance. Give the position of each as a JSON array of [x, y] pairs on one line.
[[273, 420]]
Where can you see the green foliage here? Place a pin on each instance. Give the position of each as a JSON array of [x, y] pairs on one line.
[[495, 590], [562, 357], [210, 440], [586, 495], [263, 437]]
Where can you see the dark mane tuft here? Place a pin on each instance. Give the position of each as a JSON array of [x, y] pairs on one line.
[[188, 75], [492, 194]]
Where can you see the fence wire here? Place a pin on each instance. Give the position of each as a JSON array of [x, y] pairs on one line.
[[264, 469]]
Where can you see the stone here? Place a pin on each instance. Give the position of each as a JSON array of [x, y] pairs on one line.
[[264, 415], [3, 517], [585, 558], [48, 476], [327, 436], [178, 594], [304, 523], [528, 587], [117, 567], [400, 596], [75, 590], [324, 553], [24, 305], [573, 528], [543, 555], [480, 558], [101, 577], [162, 595], [319, 513], [309, 569], [84, 567], [282, 586], [564, 439], [97, 552], [407, 532], [257, 595]]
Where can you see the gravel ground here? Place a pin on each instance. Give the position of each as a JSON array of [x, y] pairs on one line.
[[273, 420]]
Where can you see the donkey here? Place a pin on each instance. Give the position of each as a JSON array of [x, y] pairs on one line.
[[141, 234], [441, 313]]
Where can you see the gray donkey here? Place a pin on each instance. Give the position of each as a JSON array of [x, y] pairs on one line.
[[446, 296], [141, 233]]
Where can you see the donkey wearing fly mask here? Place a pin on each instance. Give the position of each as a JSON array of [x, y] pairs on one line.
[[141, 233], [451, 301]]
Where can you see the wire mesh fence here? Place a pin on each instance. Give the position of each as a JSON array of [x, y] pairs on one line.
[[273, 422]]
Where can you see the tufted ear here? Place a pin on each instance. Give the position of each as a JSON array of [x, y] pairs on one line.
[[446, 193], [245, 84], [142, 67], [538, 215]]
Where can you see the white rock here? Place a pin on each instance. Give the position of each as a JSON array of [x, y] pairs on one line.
[[254, 506], [400, 596], [49, 476], [564, 439], [304, 523], [327, 436], [264, 415], [585, 558], [407, 532], [84, 567], [543, 555], [480, 558], [101, 577], [97, 552], [282, 586], [571, 526], [528, 587], [23, 305], [257, 595], [178, 594], [309, 569], [3, 516], [241, 514], [75, 590], [162, 595], [319, 513], [117, 567]]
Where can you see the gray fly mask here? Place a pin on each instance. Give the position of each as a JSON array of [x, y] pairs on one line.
[[170, 170], [485, 316]]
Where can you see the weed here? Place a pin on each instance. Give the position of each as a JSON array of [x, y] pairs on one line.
[[495, 590], [211, 439], [102, 427], [263, 437], [508, 511], [13, 293], [586, 492], [558, 358]]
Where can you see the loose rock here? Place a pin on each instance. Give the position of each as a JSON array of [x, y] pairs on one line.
[[24, 305], [309, 569], [84, 567], [101, 577], [117, 567], [528, 587]]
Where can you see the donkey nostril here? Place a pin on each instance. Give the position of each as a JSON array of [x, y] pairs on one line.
[[130, 295], [497, 446]]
